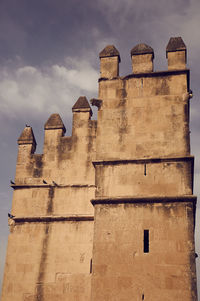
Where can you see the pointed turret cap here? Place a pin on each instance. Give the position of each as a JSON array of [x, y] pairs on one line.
[[109, 51], [142, 49], [82, 105], [27, 137], [54, 122], [175, 44]]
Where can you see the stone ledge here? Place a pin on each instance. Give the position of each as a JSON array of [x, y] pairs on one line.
[[143, 160], [51, 218], [144, 199], [149, 74], [21, 186]]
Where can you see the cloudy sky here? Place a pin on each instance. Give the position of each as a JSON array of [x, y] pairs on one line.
[[49, 57]]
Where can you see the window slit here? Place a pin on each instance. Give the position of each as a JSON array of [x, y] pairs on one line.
[[145, 169], [146, 241]]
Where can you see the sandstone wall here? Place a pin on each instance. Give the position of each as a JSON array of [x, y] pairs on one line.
[[144, 208], [50, 245], [167, 271]]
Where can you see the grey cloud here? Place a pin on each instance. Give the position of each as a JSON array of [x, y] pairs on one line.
[[51, 28], [32, 89]]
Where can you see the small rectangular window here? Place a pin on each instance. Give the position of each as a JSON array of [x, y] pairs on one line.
[[145, 169], [90, 266], [146, 241]]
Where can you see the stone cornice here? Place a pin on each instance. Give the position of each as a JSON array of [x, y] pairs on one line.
[[143, 160], [149, 74], [144, 199], [21, 186], [52, 218]]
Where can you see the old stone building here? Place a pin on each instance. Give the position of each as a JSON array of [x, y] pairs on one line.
[[108, 213]]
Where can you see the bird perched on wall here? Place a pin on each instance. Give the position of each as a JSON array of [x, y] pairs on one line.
[[11, 182], [44, 182], [10, 215], [190, 93]]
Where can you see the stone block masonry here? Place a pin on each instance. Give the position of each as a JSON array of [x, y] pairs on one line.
[[108, 213]]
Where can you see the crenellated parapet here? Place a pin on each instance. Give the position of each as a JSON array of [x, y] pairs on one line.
[[142, 56], [62, 155], [128, 103]]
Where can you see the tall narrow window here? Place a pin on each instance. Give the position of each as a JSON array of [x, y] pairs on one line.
[[145, 169], [90, 266], [146, 241]]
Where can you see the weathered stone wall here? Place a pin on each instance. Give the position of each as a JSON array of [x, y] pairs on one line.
[[144, 177], [50, 245], [51, 200], [42, 254], [144, 116], [144, 208], [126, 272]]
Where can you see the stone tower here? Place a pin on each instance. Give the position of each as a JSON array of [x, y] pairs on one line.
[[134, 165]]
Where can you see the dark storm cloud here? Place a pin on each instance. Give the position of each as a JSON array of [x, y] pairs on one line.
[[45, 31], [49, 56], [40, 31]]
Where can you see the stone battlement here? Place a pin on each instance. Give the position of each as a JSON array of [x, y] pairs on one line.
[[122, 99], [142, 57], [62, 156]]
